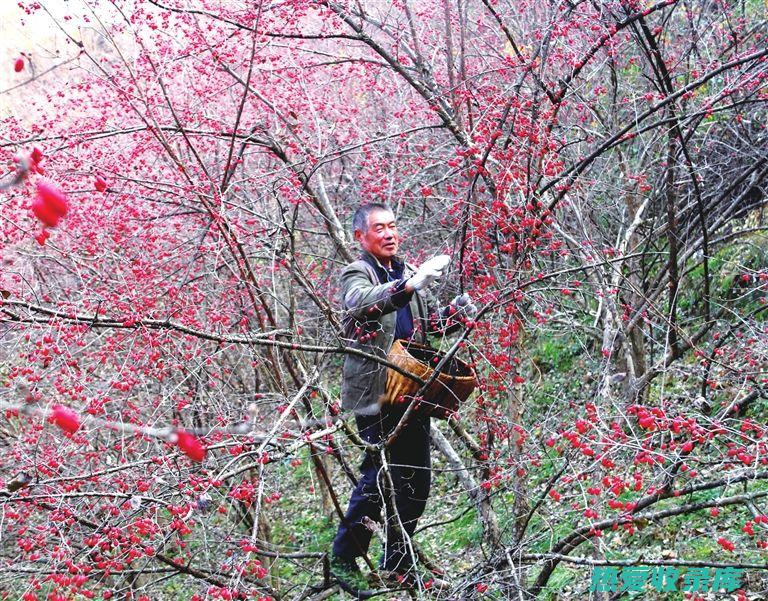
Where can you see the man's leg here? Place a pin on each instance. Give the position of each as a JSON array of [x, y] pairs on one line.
[[353, 538], [410, 466]]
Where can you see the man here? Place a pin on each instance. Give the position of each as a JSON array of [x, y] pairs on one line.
[[383, 300]]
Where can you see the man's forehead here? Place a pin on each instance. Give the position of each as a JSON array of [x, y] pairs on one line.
[[377, 217]]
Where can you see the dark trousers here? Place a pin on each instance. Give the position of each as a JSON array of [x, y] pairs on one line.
[[410, 467]]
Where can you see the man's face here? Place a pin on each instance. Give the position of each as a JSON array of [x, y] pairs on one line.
[[380, 239]]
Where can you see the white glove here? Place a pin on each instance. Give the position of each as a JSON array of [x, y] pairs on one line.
[[428, 272], [464, 305]]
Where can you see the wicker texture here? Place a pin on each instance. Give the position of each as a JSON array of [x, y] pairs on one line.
[[452, 386]]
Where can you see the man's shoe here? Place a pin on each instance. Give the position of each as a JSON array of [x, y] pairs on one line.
[[348, 574]]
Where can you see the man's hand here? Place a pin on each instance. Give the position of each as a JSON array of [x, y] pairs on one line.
[[463, 306], [428, 273]]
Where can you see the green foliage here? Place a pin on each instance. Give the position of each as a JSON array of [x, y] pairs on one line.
[[180, 589], [461, 533], [556, 354], [726, 267], [561, 582], [555, 360]]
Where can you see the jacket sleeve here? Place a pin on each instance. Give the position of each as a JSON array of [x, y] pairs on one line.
[[363, 299]]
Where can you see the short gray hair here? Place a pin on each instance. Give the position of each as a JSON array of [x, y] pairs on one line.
[[360, 219]]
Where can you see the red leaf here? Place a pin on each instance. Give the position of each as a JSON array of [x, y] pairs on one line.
[[100, 184], [190, 445], [37, 155], [18, 66], [65, 418]]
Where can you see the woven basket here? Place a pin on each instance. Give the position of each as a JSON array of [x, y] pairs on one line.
[[453, 385]]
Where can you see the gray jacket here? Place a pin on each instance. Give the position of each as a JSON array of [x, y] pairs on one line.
[[370, 315]]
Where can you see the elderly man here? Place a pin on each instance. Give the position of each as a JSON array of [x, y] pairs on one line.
[[383, 300]]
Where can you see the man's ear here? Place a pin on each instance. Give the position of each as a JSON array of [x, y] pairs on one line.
[[358, 235]]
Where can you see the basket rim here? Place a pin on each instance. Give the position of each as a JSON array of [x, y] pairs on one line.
[[442, 375]]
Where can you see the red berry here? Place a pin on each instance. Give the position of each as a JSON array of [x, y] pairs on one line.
[[18, 66], [190, 445], [37, 155], [44, 213], [53, 198], [42, 236], [725, 543], [50, 205], [65, 418]]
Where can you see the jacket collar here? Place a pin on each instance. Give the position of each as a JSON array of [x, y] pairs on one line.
[[374, 262]]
